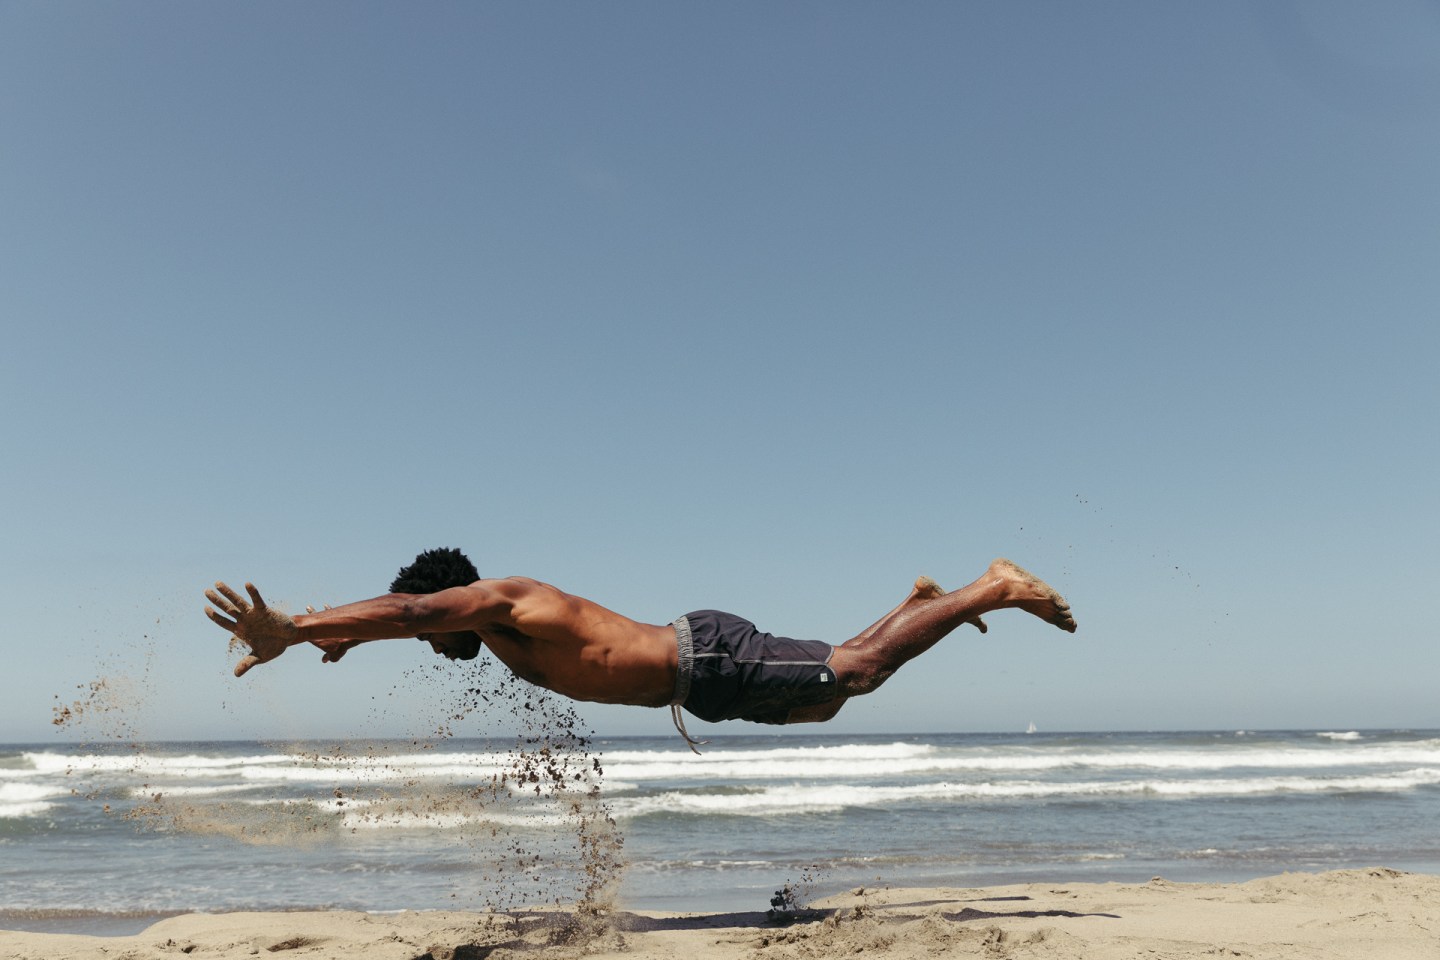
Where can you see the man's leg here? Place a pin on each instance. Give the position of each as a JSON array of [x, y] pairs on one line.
[[864, 663], [925, 589]]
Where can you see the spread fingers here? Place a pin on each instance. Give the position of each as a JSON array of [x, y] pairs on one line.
[[221, 621], [240, 605], [255, 596], [220, 602]]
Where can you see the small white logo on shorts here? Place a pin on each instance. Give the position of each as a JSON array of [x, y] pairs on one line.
[[824, 677]]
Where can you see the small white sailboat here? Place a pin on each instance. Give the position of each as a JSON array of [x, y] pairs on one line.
[[1031, 728]]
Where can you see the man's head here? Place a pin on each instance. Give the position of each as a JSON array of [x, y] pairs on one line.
[[433, 571]]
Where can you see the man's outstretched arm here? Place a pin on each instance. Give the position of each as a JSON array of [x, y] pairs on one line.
[[269, 632]]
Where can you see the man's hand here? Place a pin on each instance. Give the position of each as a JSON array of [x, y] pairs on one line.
[[265, 631], [333, 649]]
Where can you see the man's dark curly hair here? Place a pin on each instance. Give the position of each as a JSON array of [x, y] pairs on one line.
[[436, 570]]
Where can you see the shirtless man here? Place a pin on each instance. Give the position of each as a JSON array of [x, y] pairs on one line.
[[715, 665]]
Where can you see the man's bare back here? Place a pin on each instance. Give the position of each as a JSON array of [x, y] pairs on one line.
[[585, 651]]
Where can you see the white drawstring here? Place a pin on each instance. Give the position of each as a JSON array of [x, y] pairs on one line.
[[684, 669], [680, 725]]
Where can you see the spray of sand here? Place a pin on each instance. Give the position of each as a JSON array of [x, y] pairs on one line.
[[550, 770], [534, 823]]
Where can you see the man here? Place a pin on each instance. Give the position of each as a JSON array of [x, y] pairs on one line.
[[716, 665]]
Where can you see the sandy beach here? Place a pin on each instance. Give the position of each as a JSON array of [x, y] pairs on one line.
[[1373, 913]]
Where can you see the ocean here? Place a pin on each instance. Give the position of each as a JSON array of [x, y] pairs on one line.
[[106, 839]]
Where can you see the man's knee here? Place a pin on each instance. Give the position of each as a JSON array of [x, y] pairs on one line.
[[858, 672], [819, 713]]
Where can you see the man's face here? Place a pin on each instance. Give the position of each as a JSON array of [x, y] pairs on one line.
[[460, 645]]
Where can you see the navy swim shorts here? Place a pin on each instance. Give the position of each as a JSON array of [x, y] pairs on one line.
[[729, 670]]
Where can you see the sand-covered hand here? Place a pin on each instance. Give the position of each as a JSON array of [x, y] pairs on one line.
[[267, 632]]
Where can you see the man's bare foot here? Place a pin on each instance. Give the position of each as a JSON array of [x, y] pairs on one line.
[[1031, 594], [927, 589]]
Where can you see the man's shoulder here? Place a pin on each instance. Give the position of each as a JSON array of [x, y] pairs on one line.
[[511, 585], [519, 593]]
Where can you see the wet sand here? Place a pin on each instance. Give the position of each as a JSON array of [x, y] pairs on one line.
[[1343, 914]]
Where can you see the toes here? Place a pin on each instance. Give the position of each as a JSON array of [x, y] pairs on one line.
[[926, 588]]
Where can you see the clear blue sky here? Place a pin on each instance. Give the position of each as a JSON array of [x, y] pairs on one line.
[[755, 306]]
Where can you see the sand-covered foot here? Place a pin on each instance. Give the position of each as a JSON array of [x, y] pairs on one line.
[[1031, 594], [927, 589]]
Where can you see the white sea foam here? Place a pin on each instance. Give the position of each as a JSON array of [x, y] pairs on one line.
[[27, 792], [680, 866], [20, 800], [379, 818], [141, 762], [797, 798], [188, 791], [846, 751], [275, 767], [627, 768], [389, 771], [764, 765]]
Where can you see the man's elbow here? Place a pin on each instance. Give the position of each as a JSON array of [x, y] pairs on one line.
[[413, 614], [442, 612]]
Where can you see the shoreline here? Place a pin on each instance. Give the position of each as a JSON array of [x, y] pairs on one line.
[[1345, 913]]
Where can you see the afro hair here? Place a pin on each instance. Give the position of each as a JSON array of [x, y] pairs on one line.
[[436, 570]]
